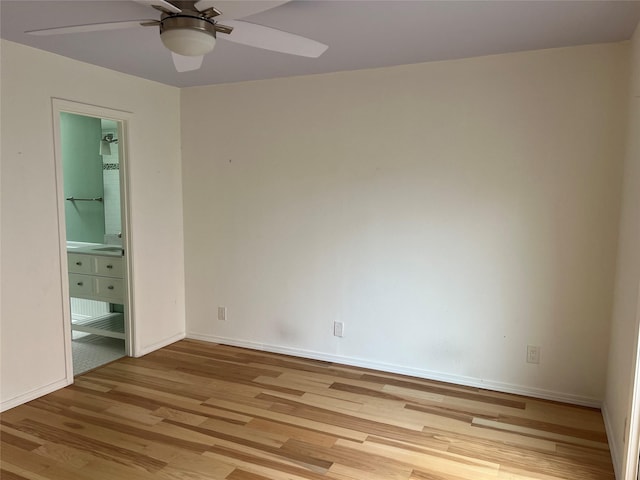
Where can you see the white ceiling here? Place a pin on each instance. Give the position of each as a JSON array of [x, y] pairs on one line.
[[360, 34]]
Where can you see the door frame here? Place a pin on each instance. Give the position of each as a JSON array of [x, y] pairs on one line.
[[630, 463], [58, 106], [631, 449]]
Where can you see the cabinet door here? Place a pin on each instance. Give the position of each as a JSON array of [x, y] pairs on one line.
[[80, 285], [79, 263], [109, 266], [110, 288]]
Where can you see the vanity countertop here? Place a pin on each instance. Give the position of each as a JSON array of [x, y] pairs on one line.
[[95, 249]]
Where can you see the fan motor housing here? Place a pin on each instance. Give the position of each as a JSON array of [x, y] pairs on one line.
[[185, 20]]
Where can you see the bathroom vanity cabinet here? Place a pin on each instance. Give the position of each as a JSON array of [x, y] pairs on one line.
[[99, 277], [96, 277]]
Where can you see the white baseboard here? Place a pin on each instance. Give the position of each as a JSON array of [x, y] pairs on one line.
[[155, 346], [614, 446], [414, 372], [32, 395]]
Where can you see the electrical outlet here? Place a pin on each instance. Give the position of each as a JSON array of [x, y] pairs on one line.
[[222, 313], [533, 354], [338, 329]]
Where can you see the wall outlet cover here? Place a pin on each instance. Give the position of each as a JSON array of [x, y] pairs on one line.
[[533, 354]]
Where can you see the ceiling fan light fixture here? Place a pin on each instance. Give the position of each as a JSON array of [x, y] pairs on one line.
[[187, 42], [187, 35]]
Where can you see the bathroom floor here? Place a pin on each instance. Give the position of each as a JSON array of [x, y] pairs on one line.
[[91, 351]]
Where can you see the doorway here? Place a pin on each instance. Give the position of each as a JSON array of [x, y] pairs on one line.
[[94, 240]]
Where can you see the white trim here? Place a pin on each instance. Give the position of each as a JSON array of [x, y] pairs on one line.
[[162, 343], [632, 433], [127, 243], [91, 110], [414, 372], [62, 245], [614, 447], [32, 395], [59, 105]]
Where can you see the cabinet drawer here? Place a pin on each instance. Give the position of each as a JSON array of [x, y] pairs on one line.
[[109, 266], [79, 263], [112, 288], [80, 285]]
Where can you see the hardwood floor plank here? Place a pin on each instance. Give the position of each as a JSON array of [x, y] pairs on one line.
[[420, 475], [469, 393], [179, 416], [366, 426], [68, 456], [443, 462], [200, 411], [526, 460], [287, 419], [585, 455], [239, 474], [9, 475], [264, 465], [18, 441], [539, 433], [98, 448], [307, 435], [16, 460], [345, 472], [190, 463]]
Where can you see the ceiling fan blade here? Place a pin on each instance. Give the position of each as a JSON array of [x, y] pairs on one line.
[[238, 9], [211, 12], [162, 4], [272, 39], [186, 64], [223, 28], [92, 27]]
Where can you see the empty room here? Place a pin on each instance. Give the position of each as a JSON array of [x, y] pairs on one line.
[[316, 239]]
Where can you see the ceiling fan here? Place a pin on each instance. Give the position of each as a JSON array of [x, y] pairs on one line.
[[189, 29]]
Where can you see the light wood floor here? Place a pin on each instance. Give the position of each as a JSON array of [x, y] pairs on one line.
[[196, 411]]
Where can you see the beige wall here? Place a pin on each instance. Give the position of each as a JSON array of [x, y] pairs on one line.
[[33, 356], [448, 213], [626, 311]]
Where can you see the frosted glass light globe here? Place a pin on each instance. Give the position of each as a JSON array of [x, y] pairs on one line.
[[188, 42]]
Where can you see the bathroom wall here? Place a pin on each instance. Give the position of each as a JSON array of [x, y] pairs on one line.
[[111, 183], [82, 172]]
